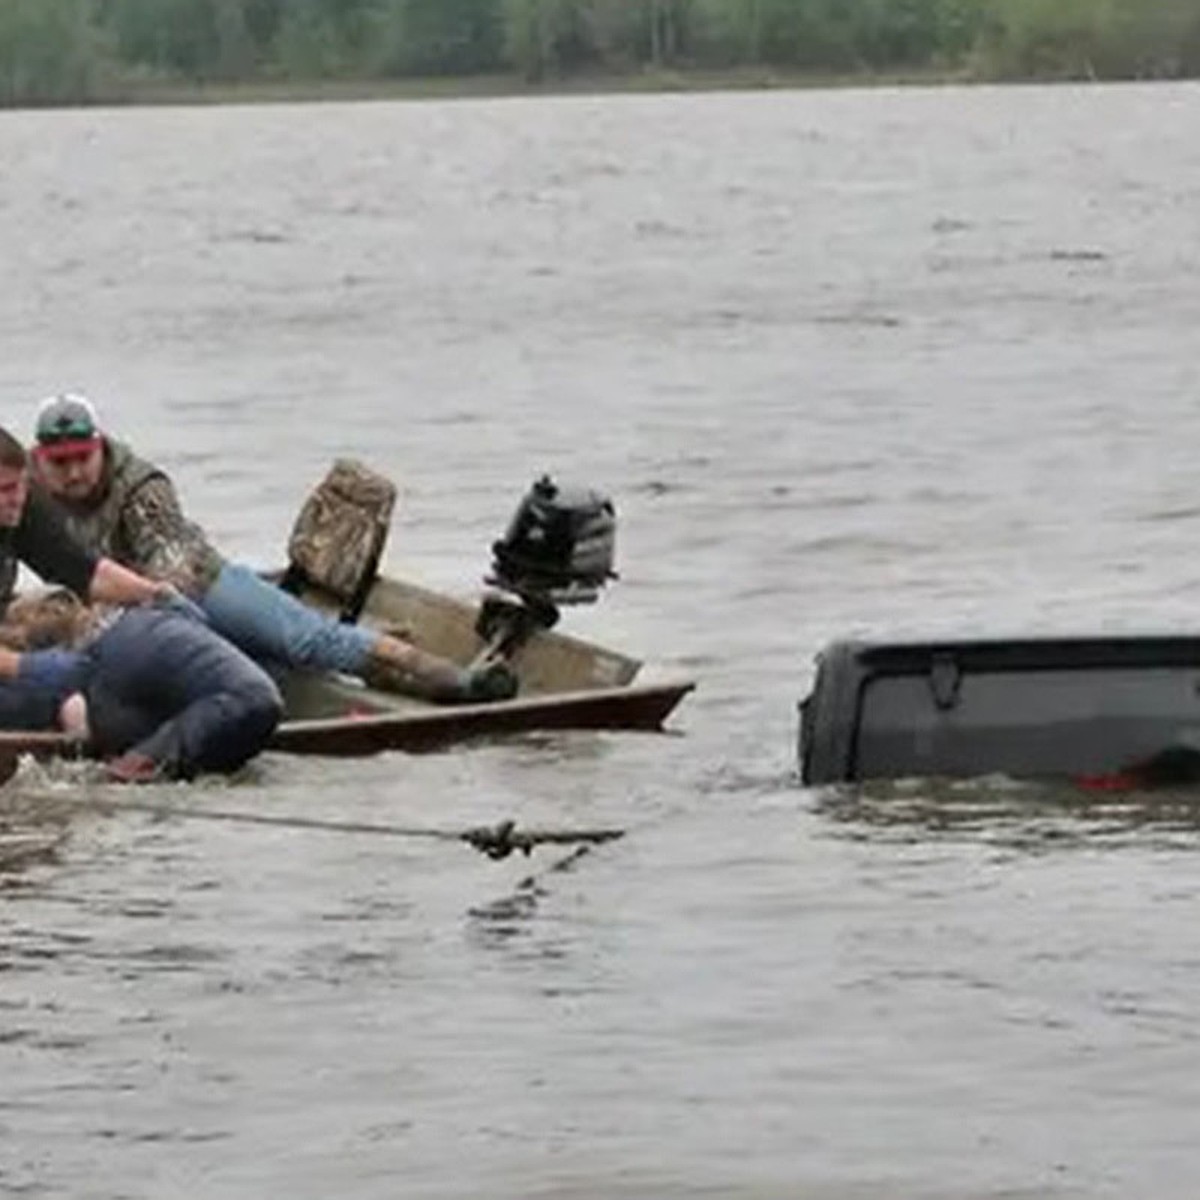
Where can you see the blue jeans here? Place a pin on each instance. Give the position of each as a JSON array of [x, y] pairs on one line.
[[273, 626], [165, 685]]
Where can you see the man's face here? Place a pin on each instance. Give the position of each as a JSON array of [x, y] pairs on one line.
[[73, 475], [14, 487]]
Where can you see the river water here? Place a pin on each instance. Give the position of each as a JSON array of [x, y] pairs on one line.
[[856, 362]]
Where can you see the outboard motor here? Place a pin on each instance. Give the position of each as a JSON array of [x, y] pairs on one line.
[[558, 549], [559, 544]]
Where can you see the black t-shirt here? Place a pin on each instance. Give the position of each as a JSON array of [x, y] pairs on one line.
[[44, 544]]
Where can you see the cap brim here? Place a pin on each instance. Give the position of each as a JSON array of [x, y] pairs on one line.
[[68, 449]]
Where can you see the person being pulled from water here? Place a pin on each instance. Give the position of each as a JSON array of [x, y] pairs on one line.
[[33, 533], [152, 689], [118, 504]]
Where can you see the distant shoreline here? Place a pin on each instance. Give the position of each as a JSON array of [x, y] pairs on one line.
[[664, 81], [648, 82], [58, 53]]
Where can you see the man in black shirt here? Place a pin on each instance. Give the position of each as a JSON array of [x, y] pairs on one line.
[[32, 531]]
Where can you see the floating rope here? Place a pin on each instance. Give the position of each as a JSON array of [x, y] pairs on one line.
[[496, 841]]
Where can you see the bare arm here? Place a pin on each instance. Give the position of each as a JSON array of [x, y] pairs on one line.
[[115, 584]]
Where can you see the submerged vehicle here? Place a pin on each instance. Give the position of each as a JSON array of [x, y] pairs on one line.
[[557, 551], [1102, 711]]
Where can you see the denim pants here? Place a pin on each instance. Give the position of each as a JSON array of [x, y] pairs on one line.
[[273, 627], [163, 684]]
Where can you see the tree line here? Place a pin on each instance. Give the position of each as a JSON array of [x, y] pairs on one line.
[[64, 51]]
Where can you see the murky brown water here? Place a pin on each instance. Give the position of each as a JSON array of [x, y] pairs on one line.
[[849, 362]]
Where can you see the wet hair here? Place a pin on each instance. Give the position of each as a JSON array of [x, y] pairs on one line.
[[12, 453], [35, 621]]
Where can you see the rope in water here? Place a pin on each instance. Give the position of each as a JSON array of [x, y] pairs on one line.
[[496, 841]]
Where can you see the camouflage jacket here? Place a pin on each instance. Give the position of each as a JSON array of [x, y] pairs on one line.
[[136, 519]]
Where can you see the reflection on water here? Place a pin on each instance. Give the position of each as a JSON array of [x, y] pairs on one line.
[[21, 845], [31, 831], [1020, 815], [508, 916]]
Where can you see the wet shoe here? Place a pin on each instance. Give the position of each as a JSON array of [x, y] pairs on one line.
[[132, 768], [487, 684], [413, 672]]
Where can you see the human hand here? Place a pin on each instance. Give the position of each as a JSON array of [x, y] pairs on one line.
[[52, 670]]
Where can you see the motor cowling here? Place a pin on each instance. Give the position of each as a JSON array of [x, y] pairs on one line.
[[559, 545]]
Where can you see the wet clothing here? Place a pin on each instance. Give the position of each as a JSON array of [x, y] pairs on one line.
[[28, 704], [43, 543], [162, 684], [139, 522]]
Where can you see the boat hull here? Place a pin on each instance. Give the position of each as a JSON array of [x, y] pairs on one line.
[[640, 707], [566, 683], [637, 707]]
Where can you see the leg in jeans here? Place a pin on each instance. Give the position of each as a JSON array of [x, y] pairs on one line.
[[167, 687], [274, 627]]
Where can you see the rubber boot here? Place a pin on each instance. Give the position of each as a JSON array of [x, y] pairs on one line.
[[490, 682], [396, 666]]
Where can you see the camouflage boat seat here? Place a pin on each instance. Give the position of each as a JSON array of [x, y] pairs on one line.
[[338, 539]]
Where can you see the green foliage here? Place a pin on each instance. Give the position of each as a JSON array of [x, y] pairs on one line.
[[442, 37], [50, 51], [64, 50], [262, 19], [318, 39], [1093, 38], [547, 37], [198, 39]]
